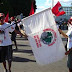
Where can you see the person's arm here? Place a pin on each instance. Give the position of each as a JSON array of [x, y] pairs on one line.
[[67, 52], [18, 32], [62, 33]]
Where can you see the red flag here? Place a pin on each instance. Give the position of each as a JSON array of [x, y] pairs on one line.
[[58, 10], [7, 17], [32, 10]]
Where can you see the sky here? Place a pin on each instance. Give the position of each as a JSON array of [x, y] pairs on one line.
[[44, 4]]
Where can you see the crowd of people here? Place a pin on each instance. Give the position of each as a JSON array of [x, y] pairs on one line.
[[15, 27], [62, 24]]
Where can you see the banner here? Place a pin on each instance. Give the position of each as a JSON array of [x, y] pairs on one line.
[[44, 37], [58, 10]]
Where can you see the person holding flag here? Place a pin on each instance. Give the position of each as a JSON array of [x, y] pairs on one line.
[[69, 44], [5, 43], [16, 31], [13, 34]]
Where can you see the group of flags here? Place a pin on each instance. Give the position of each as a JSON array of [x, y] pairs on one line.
[[57, 10], [43, 34], [31, 12]]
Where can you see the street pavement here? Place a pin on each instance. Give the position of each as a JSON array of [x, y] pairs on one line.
[[24, 60]]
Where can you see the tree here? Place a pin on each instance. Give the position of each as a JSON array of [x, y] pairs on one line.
[[5, 7], [15, 7]]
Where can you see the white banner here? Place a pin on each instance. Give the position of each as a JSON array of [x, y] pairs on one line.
[[44, 37]]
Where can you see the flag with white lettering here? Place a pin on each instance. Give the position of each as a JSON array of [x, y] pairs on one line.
[[44, 37]]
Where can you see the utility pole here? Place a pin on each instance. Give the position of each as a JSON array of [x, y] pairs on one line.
[[71, 5]]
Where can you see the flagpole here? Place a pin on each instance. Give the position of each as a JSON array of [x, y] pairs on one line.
[[52, 3]]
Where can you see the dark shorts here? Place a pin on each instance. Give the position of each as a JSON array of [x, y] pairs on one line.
[[69, 62], [13, 36], [6, 53]]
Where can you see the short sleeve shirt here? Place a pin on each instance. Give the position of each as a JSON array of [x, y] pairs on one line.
[[69, 34], [5, 39]]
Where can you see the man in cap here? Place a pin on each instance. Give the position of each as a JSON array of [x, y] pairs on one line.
[[5, 43]]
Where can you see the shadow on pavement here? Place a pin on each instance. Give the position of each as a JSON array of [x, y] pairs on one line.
[[19, 59], [21, 39], [21, 45], [23, 51]]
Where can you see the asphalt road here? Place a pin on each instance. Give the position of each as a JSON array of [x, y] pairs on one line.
[[24, 61]]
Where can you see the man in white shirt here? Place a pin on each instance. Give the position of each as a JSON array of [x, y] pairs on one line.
[[69, 44], [15, 32], [5, 42]]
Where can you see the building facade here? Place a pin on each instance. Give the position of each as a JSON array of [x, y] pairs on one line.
[[64, 18], [68, 11]]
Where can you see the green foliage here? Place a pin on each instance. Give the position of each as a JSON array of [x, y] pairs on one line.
[[15, 7]]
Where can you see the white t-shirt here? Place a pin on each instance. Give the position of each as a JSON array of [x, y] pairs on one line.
[[69, 26], [69, 34], [20, 23], [5, 39]]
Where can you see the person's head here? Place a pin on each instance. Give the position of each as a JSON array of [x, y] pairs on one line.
[[12, 18], [70, 20], [2, 18]]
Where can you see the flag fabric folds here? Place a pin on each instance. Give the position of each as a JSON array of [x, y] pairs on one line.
[[7, 17], [44, 37], [32, 9], [58, 10]]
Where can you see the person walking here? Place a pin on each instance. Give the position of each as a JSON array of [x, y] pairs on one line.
[[5, 43], [69, 44], [21, 27], [15, 32]]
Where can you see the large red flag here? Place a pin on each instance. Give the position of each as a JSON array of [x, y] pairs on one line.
[[7, 17], [58, 10], [32, 10]]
